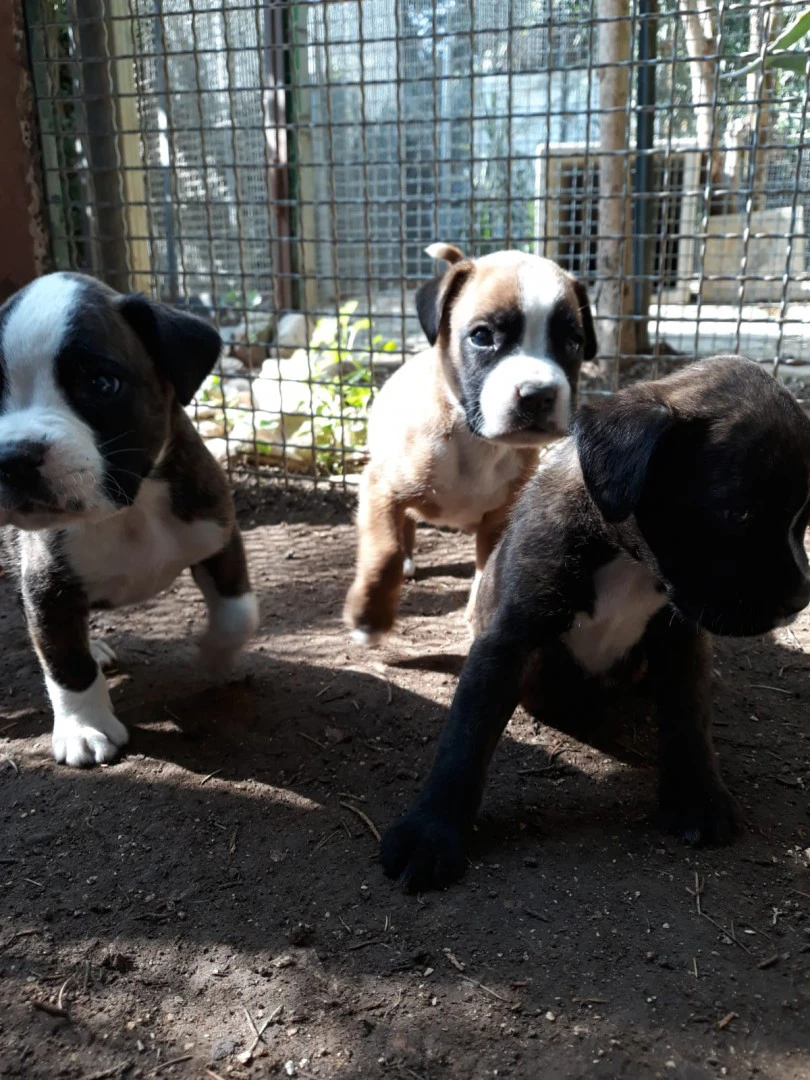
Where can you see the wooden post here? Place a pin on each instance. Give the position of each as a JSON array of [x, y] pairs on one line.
[[121, 35], [26, 249], [613, 301]]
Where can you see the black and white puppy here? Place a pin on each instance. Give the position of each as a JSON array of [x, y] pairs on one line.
[[106, 490], [677, 507]]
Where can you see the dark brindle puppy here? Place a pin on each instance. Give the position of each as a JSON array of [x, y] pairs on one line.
[[106, 489], [678, 507]]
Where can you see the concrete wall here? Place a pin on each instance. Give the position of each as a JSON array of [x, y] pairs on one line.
[[24, 249]]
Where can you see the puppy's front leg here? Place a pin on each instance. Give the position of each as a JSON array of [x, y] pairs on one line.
[[233, 612], [382, 540], [85, 729], [487, 536], [693, 800], [425, 849]]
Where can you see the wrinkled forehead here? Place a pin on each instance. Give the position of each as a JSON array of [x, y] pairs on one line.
[[762, 456], [58, 313], [35, 323], [511, 282]]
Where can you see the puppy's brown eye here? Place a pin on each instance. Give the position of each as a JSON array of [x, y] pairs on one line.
[[736, 517], [102, 385], [482, 337], [574, 344]]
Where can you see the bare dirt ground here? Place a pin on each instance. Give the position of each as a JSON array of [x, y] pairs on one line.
[[222, 879]]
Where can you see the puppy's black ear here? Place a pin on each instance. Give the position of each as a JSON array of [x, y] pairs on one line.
[[434, 298], [587, 319], [183, 347], [615, 441]]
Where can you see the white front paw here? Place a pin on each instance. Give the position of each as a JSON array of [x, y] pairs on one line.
[[88, 740], [366, 637], [103, 654], [232, 623], [85, 729], [408, 567]]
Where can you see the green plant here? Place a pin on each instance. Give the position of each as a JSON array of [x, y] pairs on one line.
[[342, 388], [779, 53]]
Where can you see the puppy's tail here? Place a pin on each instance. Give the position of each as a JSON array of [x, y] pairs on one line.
[[446, 252]]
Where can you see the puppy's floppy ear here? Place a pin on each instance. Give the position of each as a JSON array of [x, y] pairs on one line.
[[184, 348], [587, 319], [433, 298], [615, 441]]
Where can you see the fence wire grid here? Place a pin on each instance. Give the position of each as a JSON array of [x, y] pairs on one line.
[[280, 168]]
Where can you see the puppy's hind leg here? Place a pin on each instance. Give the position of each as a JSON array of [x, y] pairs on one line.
[[233, 611], [371, 603], [693, 801], [85, 728], [408, 545]]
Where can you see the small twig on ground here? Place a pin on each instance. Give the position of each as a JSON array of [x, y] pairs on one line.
[[394, 1005], [210, 776], [251, 1021], [365, 944], [174, 1061], [776, 689], [260, 1031], [214, 1075], [310, 738], [486, 989], [51, 1010], [769, 961], [390, 695], [17, 934], [454, 960], [536, 914], [694, 966], [697, 892], [61, 997], [723, 1024], [324, 840], [589, 1001], [726, 933], [328, 686], [375, 832]]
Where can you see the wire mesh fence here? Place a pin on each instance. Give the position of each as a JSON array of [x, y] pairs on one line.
[[280, 168]]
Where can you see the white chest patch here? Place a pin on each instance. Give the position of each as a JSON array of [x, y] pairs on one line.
[[626, 600], [136, 553], [470, 478]]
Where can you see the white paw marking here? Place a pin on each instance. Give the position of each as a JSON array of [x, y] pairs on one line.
[[85, 729], [103, 654], [408, 567], [367, 638], [232, 622]]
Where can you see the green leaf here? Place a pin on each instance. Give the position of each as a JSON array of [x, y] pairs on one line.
[[793, 32], [782, 61]]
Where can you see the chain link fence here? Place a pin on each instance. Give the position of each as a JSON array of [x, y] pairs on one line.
[[280, 168]]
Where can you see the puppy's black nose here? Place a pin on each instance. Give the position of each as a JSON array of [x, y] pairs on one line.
[[798, 601], [19, 461], [537, 401]]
